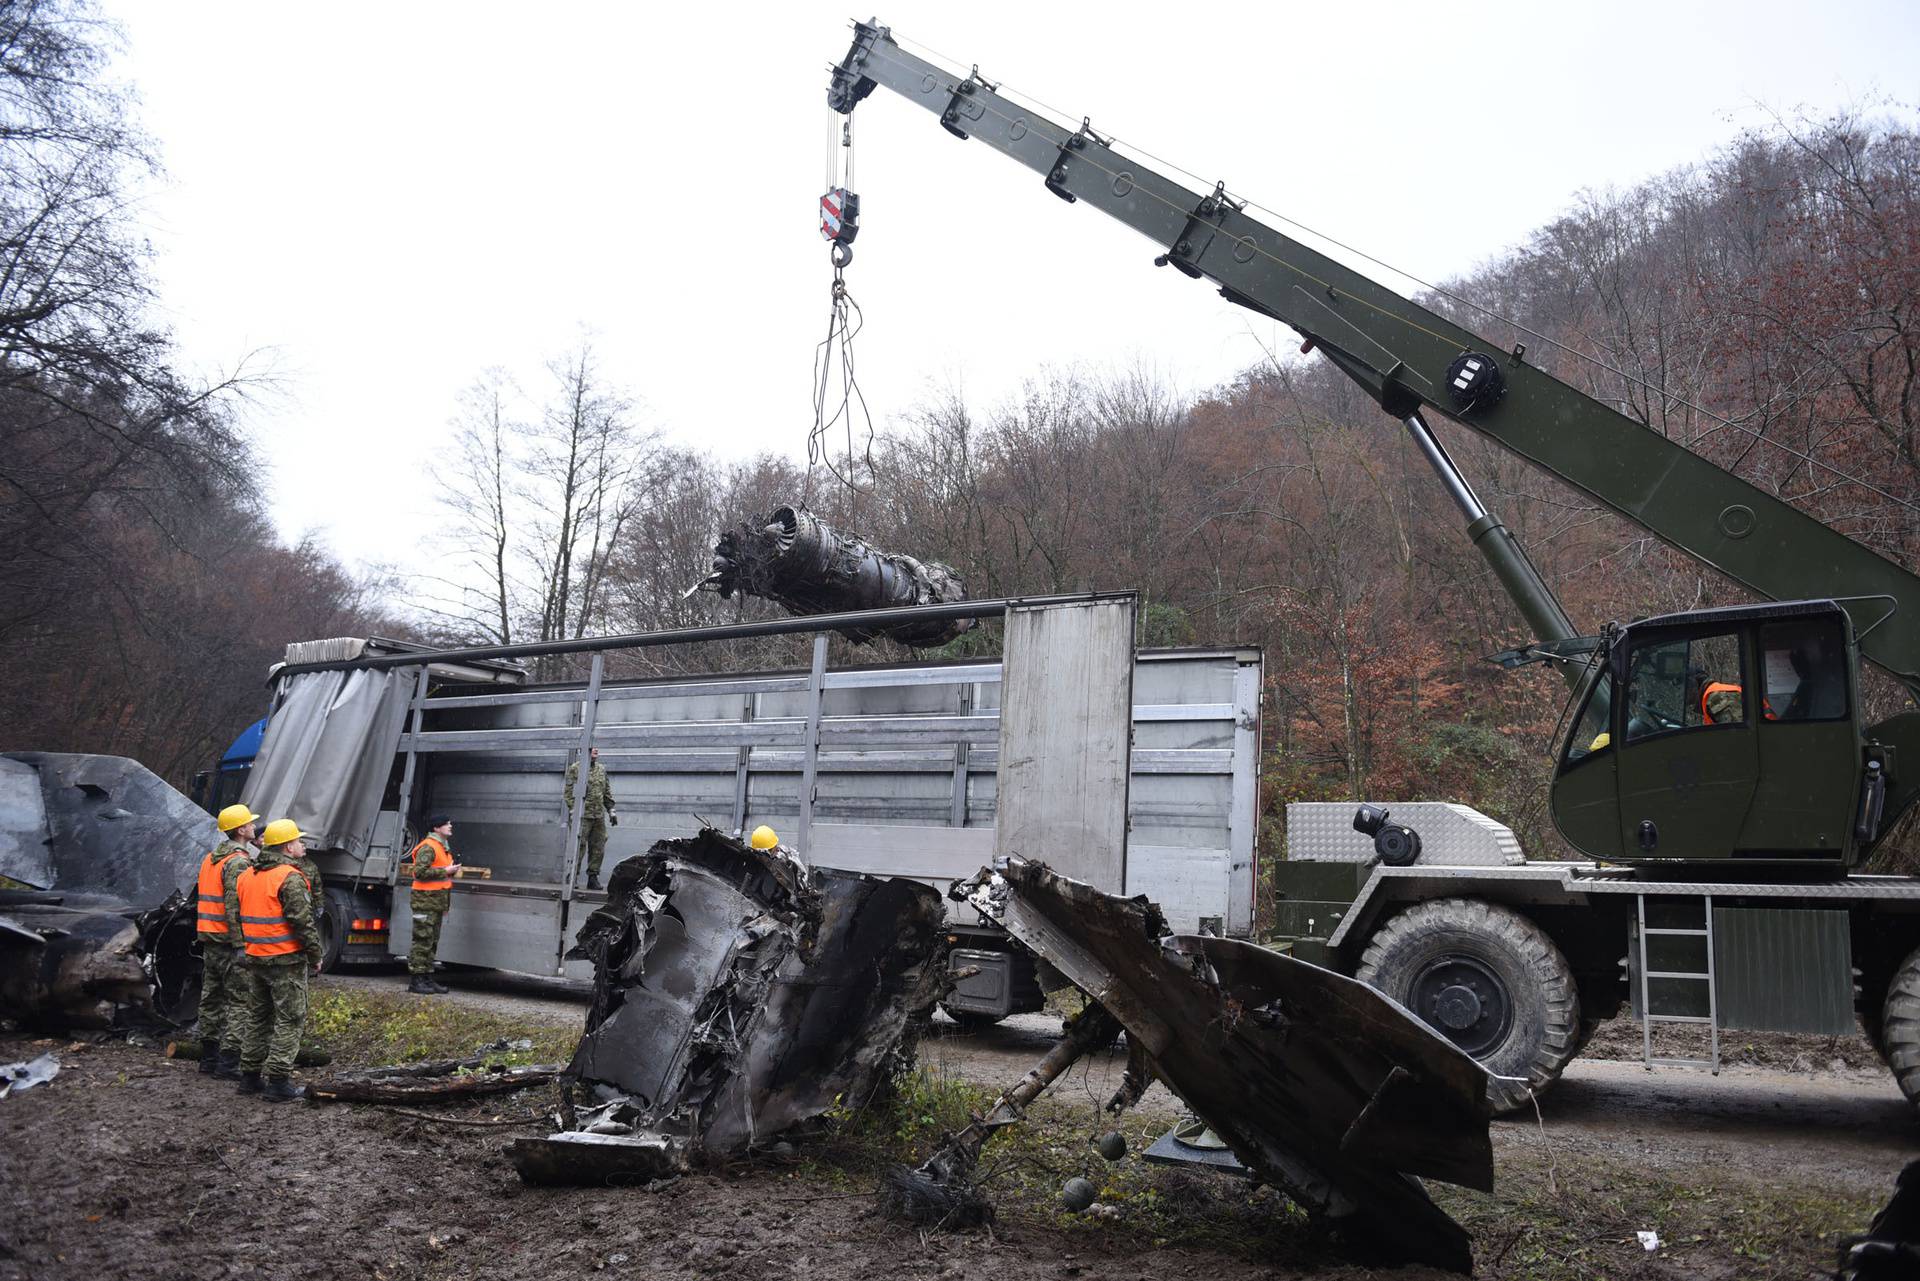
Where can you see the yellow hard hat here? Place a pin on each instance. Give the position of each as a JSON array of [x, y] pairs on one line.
[[280, 831], [764, 838], [235, 816]]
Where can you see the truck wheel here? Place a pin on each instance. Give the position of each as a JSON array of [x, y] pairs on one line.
[[1490, 981], [336, 911], [1899, 1039], [1872, 1026]]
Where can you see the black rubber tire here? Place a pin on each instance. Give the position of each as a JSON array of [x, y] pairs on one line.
[[1899, 1039], [971, 1020], [336, 911], [1526, 1006], [1871, 1028]]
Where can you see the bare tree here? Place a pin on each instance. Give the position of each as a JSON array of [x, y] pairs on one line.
[[482, 603], [588, 466]]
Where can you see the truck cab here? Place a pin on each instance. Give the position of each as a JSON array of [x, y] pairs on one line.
[[1717, 735]]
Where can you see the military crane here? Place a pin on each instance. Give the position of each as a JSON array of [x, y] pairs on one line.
[[1718, 766]]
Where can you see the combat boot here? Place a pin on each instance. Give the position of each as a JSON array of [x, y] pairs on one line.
[[424, 986], [280, 1090], [439, 988], [209, 1057], [228, 1068], [593, 882], [252, 1083]]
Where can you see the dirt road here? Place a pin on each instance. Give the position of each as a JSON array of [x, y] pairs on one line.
[[1833, 1116], [132, 1165]]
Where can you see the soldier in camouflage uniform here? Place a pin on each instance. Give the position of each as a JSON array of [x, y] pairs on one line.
[[433, 868], [219, 932], [593, 821], [283, 951]]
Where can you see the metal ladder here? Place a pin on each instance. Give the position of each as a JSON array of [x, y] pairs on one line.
[[1648, 1018]]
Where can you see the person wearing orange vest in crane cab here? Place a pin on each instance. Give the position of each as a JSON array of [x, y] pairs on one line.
[[1721, 703], [433, 869], [283, 951], [219, 938]]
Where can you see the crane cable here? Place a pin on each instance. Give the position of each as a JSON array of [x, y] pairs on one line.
[[835, 352], [1760, 438]]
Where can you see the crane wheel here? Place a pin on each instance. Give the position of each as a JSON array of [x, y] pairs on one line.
[[1491, 981], [1899, 1032]]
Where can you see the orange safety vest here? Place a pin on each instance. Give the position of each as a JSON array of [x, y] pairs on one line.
[[263, 922], [441, 858], [1716, 688], [213, 898]]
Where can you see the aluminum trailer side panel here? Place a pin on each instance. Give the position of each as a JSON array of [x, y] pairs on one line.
[[906, 784], [1065, 737]]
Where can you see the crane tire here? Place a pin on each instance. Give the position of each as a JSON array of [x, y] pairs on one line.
[[1492, 982], [1899, 1039]]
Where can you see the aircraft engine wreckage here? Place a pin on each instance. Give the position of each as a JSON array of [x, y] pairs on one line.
[[102, 933], [794, 558], [737, 993], [1317, 1083]]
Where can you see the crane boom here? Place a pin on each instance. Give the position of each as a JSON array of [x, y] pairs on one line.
[[1408, 357]]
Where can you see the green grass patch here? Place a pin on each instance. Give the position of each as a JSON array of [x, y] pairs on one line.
[[1024, 1167], [368, 1028], [1558, 1213], [1565, 1214]]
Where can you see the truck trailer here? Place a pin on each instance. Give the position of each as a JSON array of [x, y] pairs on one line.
[[901, 769]]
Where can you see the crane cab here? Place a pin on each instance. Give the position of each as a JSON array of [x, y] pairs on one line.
[[1718, 735]]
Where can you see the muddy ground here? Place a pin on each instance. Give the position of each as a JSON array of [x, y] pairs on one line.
[[134, 1165]]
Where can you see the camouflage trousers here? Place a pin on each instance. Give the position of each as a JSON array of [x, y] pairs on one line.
[[593, 839], [272, 1014], [220, 1015], [429, 910]]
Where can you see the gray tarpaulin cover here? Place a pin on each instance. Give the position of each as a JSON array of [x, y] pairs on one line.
[[328, 750]]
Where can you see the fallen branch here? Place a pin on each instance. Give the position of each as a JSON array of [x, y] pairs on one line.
[[387, 1085], [538, 1118]]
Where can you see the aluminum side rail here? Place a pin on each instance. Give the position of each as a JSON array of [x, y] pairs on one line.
[[810, 623]]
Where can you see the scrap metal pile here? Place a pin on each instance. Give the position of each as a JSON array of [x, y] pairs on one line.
[[794, 558], [102, 934], [737, 993]]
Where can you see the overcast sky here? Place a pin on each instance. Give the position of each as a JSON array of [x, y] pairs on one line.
[[380, 200]]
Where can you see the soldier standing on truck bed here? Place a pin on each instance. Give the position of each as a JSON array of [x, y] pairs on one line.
[[433, 869], [220, 941], [593, 822], [283, 952]]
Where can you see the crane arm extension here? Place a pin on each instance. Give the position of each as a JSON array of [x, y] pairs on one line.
[[1406, 356]]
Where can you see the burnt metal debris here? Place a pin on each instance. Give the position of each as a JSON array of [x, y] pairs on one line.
[[794, 558], [1317, 1083], [102, 935], [737, 993]]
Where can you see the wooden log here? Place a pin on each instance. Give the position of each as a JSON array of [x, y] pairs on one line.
[[402, 1086], [188, 1047]]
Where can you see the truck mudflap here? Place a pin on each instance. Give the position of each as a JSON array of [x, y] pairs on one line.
[[1324, 1087], [101, 931], [737, 992]]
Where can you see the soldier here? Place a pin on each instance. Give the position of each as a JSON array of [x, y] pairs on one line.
[[593, 821], [219, 932], [433, 869], [277, 920]]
